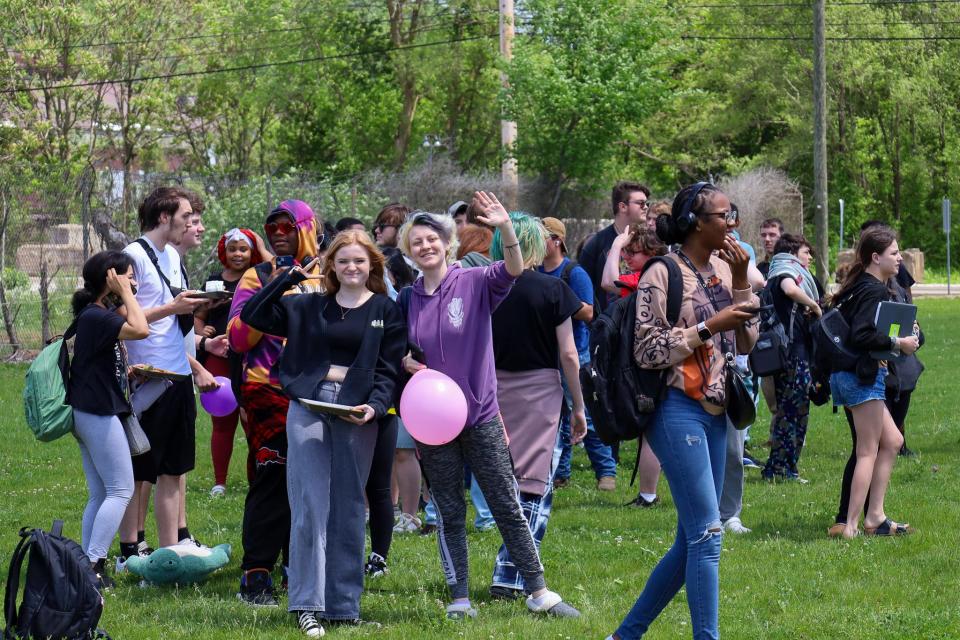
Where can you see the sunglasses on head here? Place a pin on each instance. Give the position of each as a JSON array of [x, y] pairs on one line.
[[283, 227]]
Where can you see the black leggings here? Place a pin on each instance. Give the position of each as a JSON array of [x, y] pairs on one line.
[[378, 487], [898, 410]]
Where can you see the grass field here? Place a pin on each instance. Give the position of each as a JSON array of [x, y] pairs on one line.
[[786, 580]]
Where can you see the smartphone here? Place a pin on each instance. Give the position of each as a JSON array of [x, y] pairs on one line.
[[755, 310], [284, 261]]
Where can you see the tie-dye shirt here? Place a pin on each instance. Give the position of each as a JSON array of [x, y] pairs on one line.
[[261, 351], [695, 367]]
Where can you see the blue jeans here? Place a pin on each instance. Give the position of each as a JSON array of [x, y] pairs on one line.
[[601, 456], [691, 445]]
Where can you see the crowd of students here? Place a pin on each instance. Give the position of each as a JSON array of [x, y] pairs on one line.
[[335, 314]]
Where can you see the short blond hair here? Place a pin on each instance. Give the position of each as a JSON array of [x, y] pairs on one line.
[[444, 225]]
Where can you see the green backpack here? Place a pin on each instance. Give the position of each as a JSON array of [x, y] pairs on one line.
[[45, 394]]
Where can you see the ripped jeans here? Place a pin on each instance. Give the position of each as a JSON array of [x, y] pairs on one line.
[[690, 444]]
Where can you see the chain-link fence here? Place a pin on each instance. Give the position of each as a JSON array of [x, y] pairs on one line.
[[51, 221]]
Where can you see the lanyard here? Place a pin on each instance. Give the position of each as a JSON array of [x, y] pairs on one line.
[[724, 346]]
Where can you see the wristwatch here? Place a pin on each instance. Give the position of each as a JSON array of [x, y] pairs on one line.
[[703, 332]]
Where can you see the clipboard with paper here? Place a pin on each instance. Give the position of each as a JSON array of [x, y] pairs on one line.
[[894, 319]]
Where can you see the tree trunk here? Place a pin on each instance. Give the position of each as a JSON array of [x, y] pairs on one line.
[[405, 127], [44, 302], [8, 318]]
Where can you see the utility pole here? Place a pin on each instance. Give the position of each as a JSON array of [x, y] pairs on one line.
[[508, 128], [820, 139]]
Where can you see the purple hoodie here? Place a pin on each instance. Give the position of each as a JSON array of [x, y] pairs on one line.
[[452, 326]]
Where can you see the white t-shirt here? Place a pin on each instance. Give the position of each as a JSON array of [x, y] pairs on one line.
[[164, 347]]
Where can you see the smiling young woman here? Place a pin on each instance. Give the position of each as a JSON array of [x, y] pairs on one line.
[[343, 346]]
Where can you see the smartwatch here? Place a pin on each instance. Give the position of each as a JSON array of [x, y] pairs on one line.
[[703, 332]]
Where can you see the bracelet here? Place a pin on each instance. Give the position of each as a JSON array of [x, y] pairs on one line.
[[511, 246], [203, 344]]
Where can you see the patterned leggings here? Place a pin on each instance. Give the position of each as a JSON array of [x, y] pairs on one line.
[[789, 428]]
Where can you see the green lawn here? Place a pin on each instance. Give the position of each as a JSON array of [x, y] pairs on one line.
[[785, 580]]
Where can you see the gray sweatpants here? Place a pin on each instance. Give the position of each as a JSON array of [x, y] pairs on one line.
[[731, 498], [328, 461], [109, 471], [484, 448]]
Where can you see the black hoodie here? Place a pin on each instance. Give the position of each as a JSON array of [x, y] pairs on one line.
[[859, 308]]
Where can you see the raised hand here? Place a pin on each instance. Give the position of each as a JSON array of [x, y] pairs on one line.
[[492, 212]]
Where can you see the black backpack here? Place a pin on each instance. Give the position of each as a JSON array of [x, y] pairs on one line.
[[60, 596], [772, 351], [619, 395]]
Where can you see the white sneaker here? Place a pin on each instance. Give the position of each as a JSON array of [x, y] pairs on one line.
[[218, 491], [733, 525], [406, 523]]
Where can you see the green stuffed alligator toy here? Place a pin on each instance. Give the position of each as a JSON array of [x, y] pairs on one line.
[[180, 564]]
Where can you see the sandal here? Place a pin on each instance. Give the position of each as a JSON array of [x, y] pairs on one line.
[[889, 528], [836, 529]]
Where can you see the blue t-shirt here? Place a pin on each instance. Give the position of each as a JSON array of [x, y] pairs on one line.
[[583, 287]]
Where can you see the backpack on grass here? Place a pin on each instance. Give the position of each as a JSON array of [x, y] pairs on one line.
[[60, 596], [45, 392], [620, 396]]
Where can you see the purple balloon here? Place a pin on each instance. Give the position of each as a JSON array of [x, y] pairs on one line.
[[219, 402], [433, 408]]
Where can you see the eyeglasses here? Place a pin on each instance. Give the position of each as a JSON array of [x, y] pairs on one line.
[[643, 204], [381, 227], [283, 227], [730, 217]]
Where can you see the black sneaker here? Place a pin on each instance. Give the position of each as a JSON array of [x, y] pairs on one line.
[[376, 566], [104, 581], [256, 589], [642, 502], [309, 626], [505, 593], [906, 452]]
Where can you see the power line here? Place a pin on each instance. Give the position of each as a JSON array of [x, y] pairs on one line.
[[302, 43], [836, 23], [224, 34], [804, 5], [833, 38], [249, 67]]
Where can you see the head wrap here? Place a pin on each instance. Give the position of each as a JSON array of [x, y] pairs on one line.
[[242, 235]]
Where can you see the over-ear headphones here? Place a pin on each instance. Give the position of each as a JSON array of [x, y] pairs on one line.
[[686, 218]]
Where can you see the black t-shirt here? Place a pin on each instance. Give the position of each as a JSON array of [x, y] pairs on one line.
[[525, 323], [98, 370], [219, 315], [345, 329]]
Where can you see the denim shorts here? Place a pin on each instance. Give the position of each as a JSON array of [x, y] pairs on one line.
[[847, 390], [404, 439]]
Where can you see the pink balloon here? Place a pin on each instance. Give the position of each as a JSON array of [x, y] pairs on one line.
[[433, 407], [219, 402]]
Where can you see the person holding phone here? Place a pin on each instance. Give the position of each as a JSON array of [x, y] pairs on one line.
[[105, 312], [688, 430], [449, 318], [291, 230], [342, 347]]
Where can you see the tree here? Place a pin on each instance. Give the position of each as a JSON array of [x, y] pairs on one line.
[[583, 72]]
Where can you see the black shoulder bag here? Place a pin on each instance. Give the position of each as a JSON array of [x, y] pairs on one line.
[[185, 320], [741, 411]]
